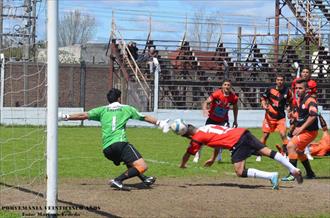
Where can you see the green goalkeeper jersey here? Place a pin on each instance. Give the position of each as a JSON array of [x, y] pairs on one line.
[[113, 118]]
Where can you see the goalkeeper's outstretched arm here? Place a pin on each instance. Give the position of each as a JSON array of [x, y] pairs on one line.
[[162, 124], [150, 119], [75, 116]]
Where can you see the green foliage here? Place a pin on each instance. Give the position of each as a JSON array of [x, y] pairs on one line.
[[298, 44], [14, 52], [42, 44]]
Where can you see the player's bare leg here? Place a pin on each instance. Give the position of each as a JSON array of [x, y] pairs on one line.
[[263, 140], [284, 143]]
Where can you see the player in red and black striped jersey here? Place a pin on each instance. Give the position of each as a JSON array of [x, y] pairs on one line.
[[242, 145], [274, 101], [306, 128]]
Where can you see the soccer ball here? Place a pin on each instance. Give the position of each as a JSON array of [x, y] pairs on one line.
[[179, 127]]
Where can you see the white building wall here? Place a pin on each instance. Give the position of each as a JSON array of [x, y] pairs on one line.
[[37, 116]]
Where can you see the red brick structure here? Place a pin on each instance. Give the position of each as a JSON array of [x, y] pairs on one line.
[[29, 89]]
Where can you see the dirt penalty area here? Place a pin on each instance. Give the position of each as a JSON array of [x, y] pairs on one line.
[[176, 197]]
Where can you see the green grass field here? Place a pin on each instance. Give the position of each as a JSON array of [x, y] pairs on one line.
[[80, 155]]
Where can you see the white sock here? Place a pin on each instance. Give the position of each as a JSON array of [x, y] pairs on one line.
[[285, 162], [197, 156], [259, 174]]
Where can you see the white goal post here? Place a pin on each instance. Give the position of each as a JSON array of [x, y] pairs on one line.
[[52, 106]]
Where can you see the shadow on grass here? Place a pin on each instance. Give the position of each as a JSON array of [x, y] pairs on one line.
[[77, 205]]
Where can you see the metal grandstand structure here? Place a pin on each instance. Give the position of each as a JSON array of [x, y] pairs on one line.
[[249, 52]]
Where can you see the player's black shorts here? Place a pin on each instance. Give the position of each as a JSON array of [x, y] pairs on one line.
[[246, 146], [121, 152], [210, 121]]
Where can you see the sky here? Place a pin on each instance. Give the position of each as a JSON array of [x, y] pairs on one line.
[[166, 14], [167, 19]]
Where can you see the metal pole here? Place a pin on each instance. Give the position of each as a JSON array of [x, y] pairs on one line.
[[156, 89], [27, 44], [239, 46], [33, 20], [307, 35], [111, 64], [2, 91], [112, 44], [52, 107], [277, 31], [25, 84], [1, 22], [82, 86], [113, 27]]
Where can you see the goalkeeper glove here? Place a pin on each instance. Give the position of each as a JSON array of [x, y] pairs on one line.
[[164, 125], [63, 117]]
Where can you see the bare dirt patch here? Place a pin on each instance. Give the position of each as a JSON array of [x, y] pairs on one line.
[[179, 197]]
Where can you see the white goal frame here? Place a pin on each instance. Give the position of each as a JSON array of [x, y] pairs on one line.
[[52, 106]]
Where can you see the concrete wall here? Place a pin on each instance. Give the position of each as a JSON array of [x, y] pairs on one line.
[[37, 116]]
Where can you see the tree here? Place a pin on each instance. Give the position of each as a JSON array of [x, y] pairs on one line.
[[15, 53], [203, 31], [76, 28], [298, 44]]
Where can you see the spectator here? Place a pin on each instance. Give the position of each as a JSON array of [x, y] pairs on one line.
[[151, 58], [133, 50]]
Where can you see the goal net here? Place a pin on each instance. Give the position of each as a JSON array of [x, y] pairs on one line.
[[22, 132], [22, 121]]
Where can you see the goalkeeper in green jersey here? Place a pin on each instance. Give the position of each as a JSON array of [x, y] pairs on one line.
[[113, 119]]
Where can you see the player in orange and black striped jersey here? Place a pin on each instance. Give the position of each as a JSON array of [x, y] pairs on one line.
[[312, 90], [312, 85], [306, 128], [274, 101]]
